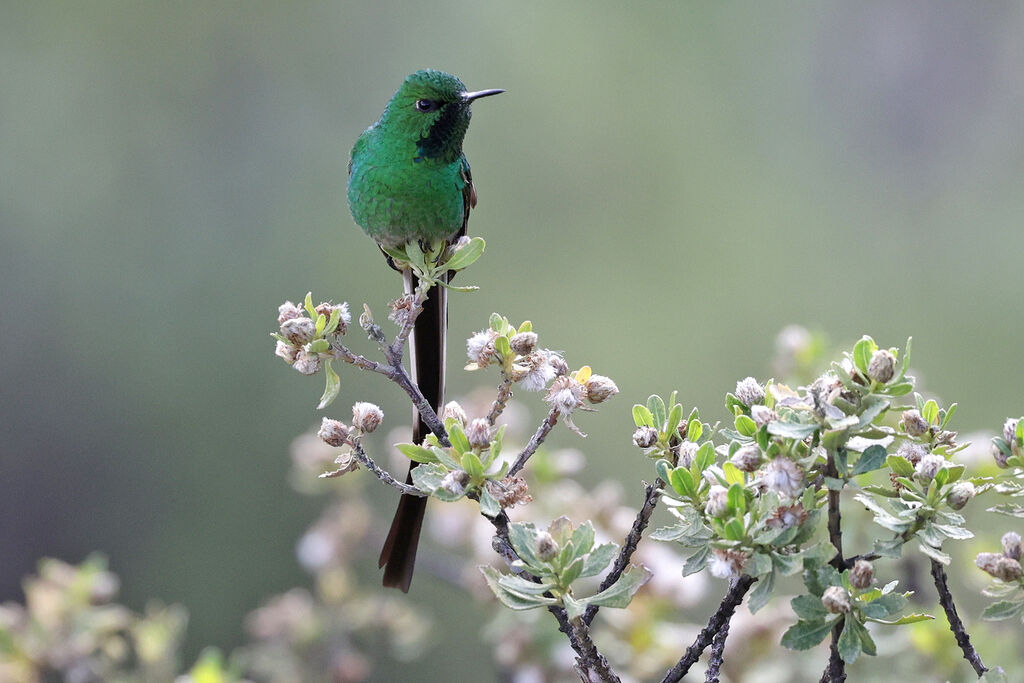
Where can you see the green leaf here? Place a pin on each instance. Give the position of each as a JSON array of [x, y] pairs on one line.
[[906, 619], [1008, 509], [467, 255], [957, 533], [867, 644], [809, 608], [573, 607], [308, 303], [621, 592], [416, 453], [791, 430], [512, 599], [762, 593], [733, 474], [583, 538], [642, 416], [503, 348], [458, 439], [664, 469], [694, 563], [930, 412], [900, 465], [319, 346], [571, 572], [523, 537], [333, 386], [934, 553], [657, 408], [675, 416], [745, 425], [471, 463], [736, 499], [694, 430], [599, 559], [705, 456], [787, 565], [803, 635], [682, 481], [849, 641], [871, 459], [489, 505], [862, 352], [1004, 609]]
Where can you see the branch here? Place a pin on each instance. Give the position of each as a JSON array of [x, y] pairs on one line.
[[367, 461], [836, 669], [397, 347], [535, 441], [715, 659], [504, 394], [643, 517], [737, 589], [963, 639], [835, 672], [589, 659]]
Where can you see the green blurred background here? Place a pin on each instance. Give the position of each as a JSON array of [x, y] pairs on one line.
[[663, 187]]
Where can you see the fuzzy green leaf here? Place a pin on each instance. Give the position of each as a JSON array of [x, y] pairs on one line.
[[467, 255], [332, 387], [803, 635], [416, 453], [1004, 609], [621, 592], [642, 416], [512, 599], [849, 641], [871, 459]]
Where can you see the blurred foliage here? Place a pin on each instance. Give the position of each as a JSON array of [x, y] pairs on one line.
[[172, 169]]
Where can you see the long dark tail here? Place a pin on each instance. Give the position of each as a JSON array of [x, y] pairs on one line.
[[427, 363]]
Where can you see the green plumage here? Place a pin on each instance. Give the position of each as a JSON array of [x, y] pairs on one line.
[[408, 180]]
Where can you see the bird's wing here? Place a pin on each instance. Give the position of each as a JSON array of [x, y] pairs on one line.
[[468, 195]]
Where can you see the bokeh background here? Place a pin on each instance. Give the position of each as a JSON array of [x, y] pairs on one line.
[[663, 187]]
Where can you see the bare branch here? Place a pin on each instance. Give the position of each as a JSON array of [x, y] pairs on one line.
[[643, 517], [715, 658], [368, 463], [589, 659], [963, 639], [737, 589], [535, 441], [504, 394]]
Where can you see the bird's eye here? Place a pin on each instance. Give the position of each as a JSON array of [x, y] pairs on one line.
[[426, 105]]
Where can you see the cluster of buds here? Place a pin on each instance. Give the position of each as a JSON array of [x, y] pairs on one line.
[[306, 332], [1004, 566], [366, 417], [569, 391], [1010, 444]]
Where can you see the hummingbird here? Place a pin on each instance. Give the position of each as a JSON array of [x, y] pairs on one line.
[[408, 180]]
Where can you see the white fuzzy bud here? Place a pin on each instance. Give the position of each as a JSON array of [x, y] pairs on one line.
[[298, 331], [928, 467], [480, 347], [333, 432], [645, 437], [862, 575], [726, 564], [749, 391], [540, 372], [454, 411], [762, 415], [784, 477], [718, 501], [1012, 545], [600, 389], [913, 423], [287, 311], [455, 482], [523, 343], [960, 494], [478, 432], [747, 458], [366, 416], [882, 366], [307, 363], [286, 351], [999, 566], [836, 600], [545, 546], [565, 394], [687, 452]]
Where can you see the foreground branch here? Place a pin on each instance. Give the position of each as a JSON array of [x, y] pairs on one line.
[[715, 659], [963, 639], [643, 517], [368, 463], [535, 441], [836, 669], [737, 589]]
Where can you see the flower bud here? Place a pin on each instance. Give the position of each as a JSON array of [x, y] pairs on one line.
[[298, 331], [762, 415], [749, 392], [1012, 545], [784, 477], [523, 343], [862, 575], [836, 600], [455, 482], [718, 501], [600, 389], [480, 347], [1001, 458], [558, 364], [645, 437], [882, 366], [454, 411], [913, 423], [545, 546], [687, 452], [747, 458], [344, 317], [912, 452], [307, 363], [960, 494], [287, 311], [286, 351], [928, 467], [1010, 435], [538, 372], [333, 432], [565, 394], [478, 432], [999, 566], [366, 416], [726, 564]]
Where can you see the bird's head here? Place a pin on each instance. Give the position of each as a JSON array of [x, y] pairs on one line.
[[432, 109]]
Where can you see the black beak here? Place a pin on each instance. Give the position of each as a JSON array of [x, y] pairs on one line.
[[470, 96]]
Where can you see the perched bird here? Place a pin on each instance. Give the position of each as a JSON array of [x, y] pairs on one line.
[[409, 180]]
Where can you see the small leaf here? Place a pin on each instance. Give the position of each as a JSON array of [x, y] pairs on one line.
[[416, 453], [705, 456], [642, 416], [849, 641], [657, 408], [308, 303], [862, 352], [871, 459], [571, 572], [682, 481], [934, 553], [906, 619], [736, 499], [809, 608], [471, 463], [621, 592], [762, 593], [458, 439], [1008, 509], [333, 386], [467, 255], [512, 599], [522, 536], [791, 430], [1004, 609], [803, 635], [694, 430], [599, 559], [694, 563], [733, 474], [900, 465], [675, 416], [745, 425], [489, 505]]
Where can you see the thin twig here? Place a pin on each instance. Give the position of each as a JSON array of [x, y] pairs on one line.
[[535, 441], [737, 589], [590, 659], [651, 494], [836, 669], [715, 658], [963, 639], [368, 463], [397, 347], [500, 401]]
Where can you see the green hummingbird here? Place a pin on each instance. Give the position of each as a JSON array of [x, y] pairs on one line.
[[409, 180]]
